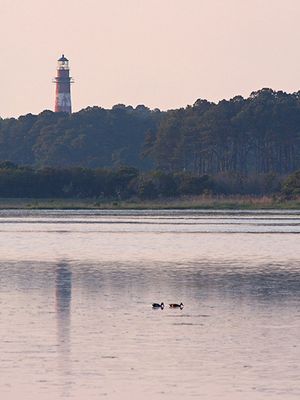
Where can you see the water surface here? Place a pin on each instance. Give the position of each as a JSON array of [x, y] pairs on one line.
[[76, 289]]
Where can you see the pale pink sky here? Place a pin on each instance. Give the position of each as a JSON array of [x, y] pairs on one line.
[[161, 53]]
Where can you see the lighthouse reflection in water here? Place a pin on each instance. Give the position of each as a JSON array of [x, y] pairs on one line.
[[63, 296]]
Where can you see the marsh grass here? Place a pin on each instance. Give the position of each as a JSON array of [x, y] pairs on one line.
[[187, 202]]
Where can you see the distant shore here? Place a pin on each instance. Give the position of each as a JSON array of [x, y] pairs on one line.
[[193, 202]]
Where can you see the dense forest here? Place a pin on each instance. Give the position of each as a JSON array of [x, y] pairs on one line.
[[257, 135], [239, 138], [93, 137]]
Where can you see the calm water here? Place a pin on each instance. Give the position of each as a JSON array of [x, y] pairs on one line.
[[75, 305]]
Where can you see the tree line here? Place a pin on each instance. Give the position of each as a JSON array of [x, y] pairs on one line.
[[91, 138], [257, 135], [236, 138]]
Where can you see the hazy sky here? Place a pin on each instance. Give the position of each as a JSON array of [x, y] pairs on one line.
[[161, 53]]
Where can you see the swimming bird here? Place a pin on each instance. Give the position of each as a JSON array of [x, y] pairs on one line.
[[157, 305], [174, 305]]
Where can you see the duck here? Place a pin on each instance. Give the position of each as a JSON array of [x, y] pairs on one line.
[[175, 305], [157, 305]]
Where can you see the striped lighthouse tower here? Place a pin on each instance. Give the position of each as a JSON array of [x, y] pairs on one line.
[[63, 86]]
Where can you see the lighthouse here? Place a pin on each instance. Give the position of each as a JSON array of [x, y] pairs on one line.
[[63, 86]]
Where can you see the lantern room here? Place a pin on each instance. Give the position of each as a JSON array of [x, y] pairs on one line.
[[63, 63]]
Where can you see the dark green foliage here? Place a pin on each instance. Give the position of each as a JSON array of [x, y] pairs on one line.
[[258, 135], [240, 142], [193, 185], [91, 138], [116, 184], [254, 184], [8, 165], [291, 186], [156, 184]]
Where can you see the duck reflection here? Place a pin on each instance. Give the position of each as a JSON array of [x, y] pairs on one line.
[[63, 295]]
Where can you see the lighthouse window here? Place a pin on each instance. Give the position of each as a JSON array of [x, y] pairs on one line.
[[63, 65]]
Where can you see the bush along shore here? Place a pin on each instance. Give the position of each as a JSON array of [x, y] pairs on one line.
[[126, 187]]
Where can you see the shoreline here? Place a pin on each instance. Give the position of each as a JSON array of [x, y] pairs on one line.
[[194, 202]]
